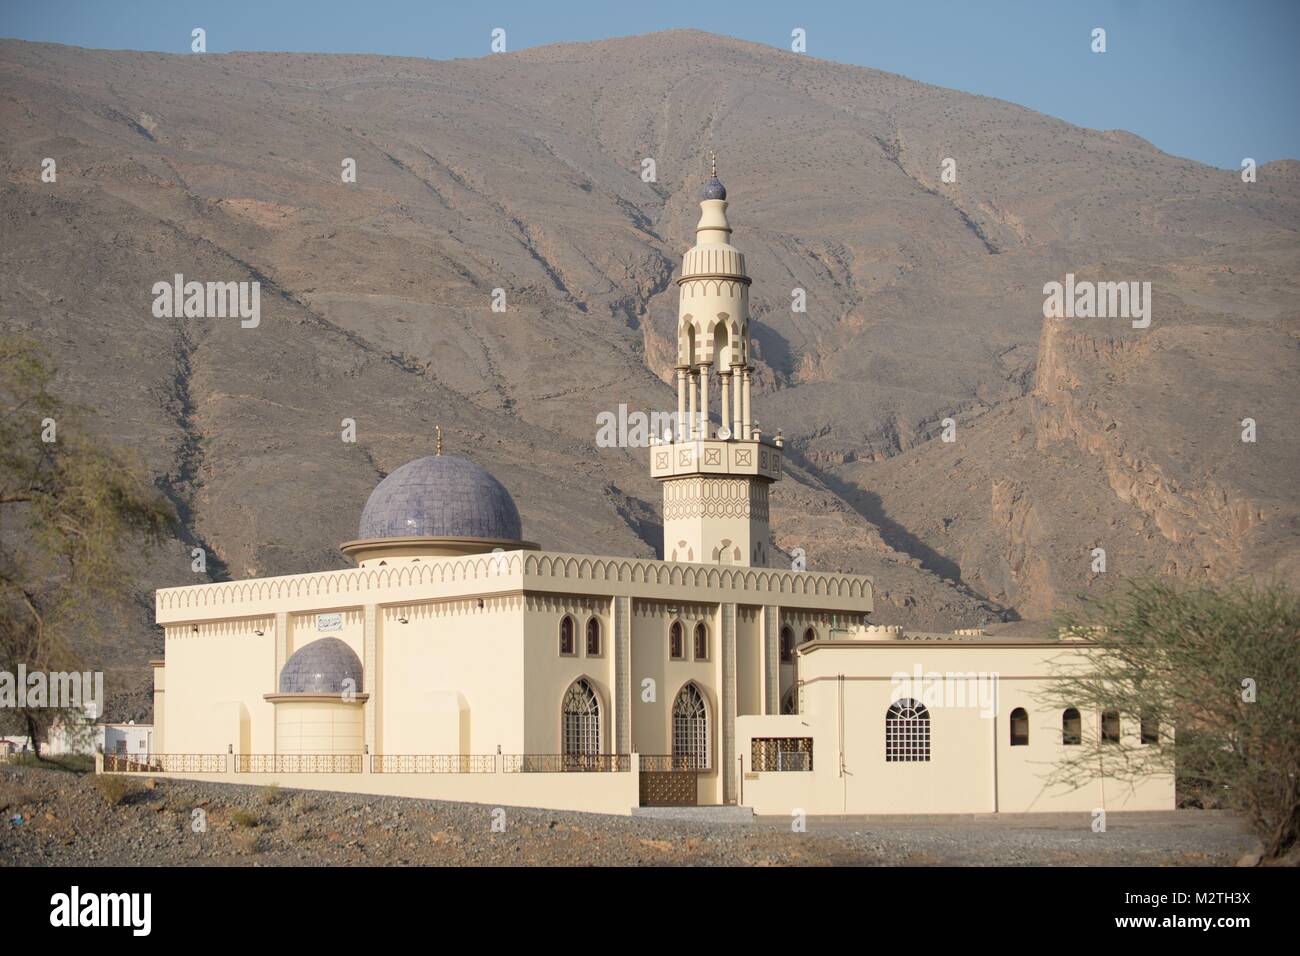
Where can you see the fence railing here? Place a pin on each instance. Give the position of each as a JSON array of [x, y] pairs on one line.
[[165, 763], [663, 763], [390, 763], [566, 763], [297, 763], [433, 763]]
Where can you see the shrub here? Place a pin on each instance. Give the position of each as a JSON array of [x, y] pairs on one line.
[[270, 793], [115, 789], [244, 819]]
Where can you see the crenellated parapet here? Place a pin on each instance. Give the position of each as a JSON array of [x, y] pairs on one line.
[[517, 572]]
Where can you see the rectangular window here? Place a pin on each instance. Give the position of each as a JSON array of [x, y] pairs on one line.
[[781, 753], [1110, 727]]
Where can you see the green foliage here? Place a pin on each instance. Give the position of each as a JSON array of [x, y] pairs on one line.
[[244, 818], [1219, 666], [68, 510]]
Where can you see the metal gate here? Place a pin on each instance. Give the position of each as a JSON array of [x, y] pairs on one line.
[[666, 781]]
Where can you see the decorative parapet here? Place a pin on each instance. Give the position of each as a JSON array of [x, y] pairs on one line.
[[443, 578]]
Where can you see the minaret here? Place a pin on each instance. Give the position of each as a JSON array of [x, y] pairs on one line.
[[715, 477]]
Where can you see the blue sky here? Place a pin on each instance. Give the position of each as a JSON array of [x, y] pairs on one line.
[[1214, 81]]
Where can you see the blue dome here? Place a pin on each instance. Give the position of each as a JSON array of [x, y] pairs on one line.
[[321, 667], [714, 189], [440, 497]]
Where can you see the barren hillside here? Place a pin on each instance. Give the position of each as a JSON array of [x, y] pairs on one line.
[[522, 172]]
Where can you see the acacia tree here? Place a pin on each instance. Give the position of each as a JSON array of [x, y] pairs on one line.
[[1212, 678], [68, 508]]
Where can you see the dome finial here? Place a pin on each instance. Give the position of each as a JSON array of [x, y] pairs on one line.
[[437, 431], [713, 189]]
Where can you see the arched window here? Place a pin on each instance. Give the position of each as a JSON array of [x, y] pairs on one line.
[[809, 635], [789, 703], [580, 720], [593, 637], [1110, 727], [907, 732], [690, 730], [1071, 728], [1150, 729], [701, 642], [1019, 728], [568, 645], [676, 642], [787, 645]]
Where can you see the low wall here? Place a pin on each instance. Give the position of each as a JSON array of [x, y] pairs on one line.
[[614, 792]]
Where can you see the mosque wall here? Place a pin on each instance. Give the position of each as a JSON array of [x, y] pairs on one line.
[[451, 677], [217, 674], [550, 672]]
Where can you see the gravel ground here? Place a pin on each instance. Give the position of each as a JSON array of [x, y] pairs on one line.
[[68, 821]]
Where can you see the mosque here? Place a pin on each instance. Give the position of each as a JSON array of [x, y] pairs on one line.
[[458, 660]]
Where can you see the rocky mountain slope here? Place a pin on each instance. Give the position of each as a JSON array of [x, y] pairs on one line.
[[522, 172]]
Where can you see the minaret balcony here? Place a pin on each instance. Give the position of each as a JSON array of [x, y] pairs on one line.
[[714, 456]]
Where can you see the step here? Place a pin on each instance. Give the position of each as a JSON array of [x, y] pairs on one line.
[[722, 814]]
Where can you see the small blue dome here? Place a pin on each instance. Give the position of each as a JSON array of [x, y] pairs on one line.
[[714, 189], [321, 667], [440, 497]]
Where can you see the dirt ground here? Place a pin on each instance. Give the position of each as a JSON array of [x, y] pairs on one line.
[[59, 818]]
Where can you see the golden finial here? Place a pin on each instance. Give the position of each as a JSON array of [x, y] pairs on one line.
[[713, 164], [437, 431]]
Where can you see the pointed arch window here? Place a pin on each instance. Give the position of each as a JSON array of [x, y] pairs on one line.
[[701, 642], [690, 730], [907, 732], [1019, 727], [593, 637], [809, 635], [1071, 727], [568, 642], [580, 720], [787, 645], [676, 641]]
